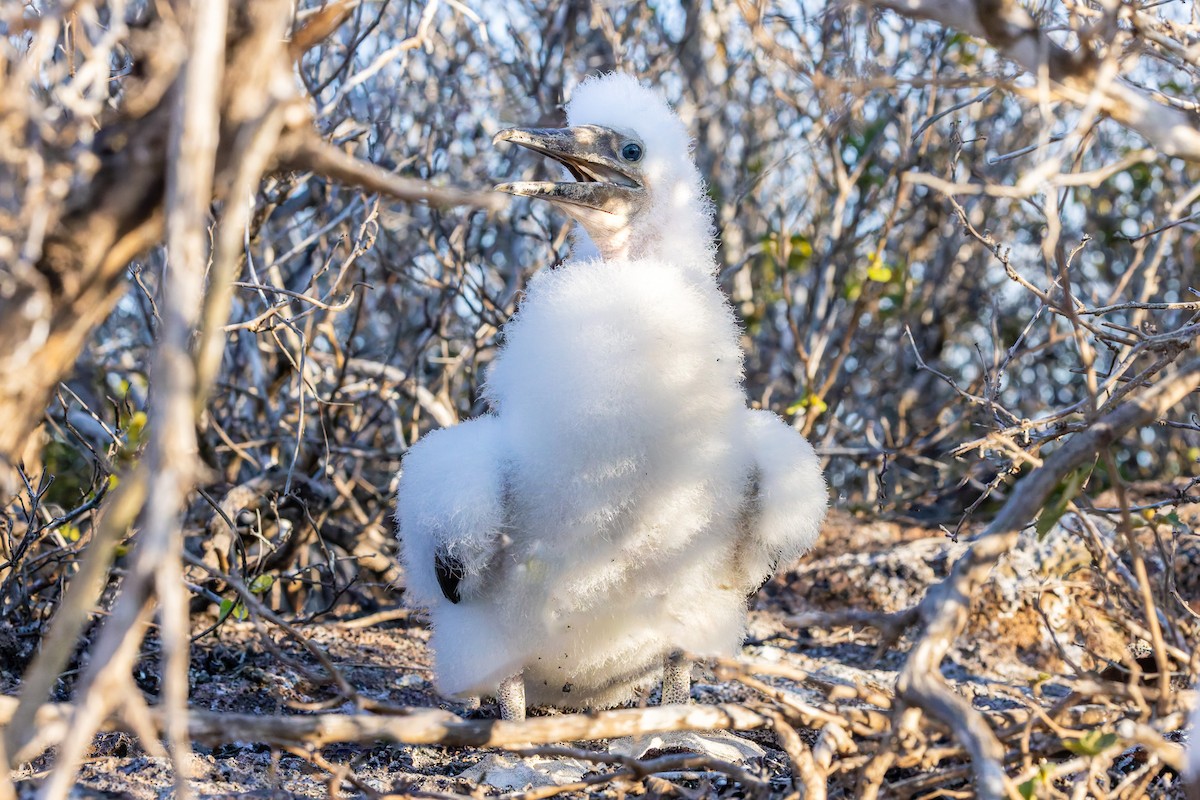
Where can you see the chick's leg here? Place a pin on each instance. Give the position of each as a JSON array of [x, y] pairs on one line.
[[511, 696], [677, 679]]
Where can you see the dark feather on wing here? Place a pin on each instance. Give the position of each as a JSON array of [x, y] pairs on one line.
[[450, 572]]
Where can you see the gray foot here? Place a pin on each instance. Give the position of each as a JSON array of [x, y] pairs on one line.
[[510, 772], [718, 744]]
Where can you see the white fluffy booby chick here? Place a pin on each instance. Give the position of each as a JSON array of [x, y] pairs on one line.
[[619, 503]]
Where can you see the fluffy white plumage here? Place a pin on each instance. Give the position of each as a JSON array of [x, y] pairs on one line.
[[619, 501]]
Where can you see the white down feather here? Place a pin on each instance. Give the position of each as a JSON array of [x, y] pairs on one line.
[[619, 500]]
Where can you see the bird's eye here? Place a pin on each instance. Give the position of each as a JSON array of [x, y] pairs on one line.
[[632, 151]]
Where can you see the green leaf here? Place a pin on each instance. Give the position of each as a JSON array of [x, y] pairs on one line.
[[1054, 510], [134, 435], [135, 428], [1028, 789], [1050, 516], [878, 270], [809, 402], [69, 469], [235, 608], [1092, 743], [799, 253], [262, 583]]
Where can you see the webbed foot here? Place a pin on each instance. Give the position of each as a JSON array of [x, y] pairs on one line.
[[721, 745]]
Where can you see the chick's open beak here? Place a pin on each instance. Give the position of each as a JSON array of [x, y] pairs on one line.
[[604, 181]]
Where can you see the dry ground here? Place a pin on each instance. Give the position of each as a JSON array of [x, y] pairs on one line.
[[1042, 613]]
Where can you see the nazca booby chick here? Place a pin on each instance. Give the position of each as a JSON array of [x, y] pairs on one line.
[[619, 502]]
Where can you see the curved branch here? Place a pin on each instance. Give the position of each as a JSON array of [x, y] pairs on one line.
[[320, 26], [304, 150]]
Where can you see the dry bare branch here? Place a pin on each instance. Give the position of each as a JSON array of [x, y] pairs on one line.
[[305, 151], [1076, 76], [429, 726]]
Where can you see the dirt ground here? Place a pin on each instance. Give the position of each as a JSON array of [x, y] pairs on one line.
[[1039, 620]]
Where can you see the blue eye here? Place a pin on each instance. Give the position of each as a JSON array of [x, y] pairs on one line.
[[632, 151]]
